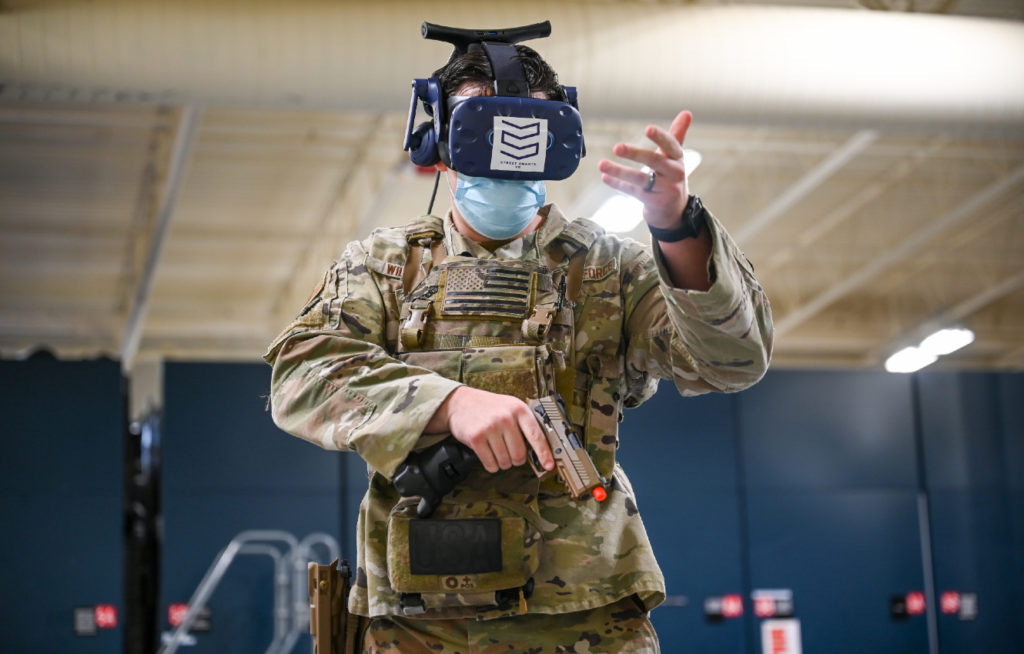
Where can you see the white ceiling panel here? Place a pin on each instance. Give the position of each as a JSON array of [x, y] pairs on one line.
[[267, 135]]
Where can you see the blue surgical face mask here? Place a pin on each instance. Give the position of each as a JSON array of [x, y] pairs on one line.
[[498, 208]]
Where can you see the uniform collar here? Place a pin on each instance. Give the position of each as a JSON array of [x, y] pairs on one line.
[[529, 246]]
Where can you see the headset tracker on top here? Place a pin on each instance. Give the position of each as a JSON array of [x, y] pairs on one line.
[[509, 135]]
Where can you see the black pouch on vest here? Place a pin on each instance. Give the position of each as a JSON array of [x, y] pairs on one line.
[[465, 553]]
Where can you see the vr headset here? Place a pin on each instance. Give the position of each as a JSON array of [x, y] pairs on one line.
[[509, 135]]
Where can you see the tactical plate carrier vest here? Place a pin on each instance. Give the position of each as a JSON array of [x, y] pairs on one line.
[[504, 326]]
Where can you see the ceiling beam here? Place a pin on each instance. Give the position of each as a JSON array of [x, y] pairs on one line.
[[806, 184], [111, 116], [1013, 359], [888, 259], [185, 137], [851, 206], [964, 73], [983, 299], [954, 315]]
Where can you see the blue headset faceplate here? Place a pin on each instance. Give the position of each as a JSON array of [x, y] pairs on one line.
[[515, 138]]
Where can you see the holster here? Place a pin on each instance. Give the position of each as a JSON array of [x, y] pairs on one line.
[[334, 629]]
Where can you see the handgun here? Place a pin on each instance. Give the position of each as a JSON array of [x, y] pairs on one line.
[[572, 463], [433, 472]]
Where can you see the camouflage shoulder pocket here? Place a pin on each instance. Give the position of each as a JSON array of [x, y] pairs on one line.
[[313, 315]]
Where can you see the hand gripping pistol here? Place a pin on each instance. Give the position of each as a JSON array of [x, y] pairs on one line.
[[433, 472]]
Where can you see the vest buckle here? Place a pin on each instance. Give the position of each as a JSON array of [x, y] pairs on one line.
[[536, 327], [416, 324], [412, 604]]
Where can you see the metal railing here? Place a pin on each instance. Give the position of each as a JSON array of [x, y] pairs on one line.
[[291, 602]]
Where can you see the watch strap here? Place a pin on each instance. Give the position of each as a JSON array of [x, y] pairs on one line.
[[693, 221]]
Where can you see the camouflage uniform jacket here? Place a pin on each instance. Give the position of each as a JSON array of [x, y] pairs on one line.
[[337, 383]]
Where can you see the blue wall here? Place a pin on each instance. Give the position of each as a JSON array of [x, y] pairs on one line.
[[811, 481], [831, 482], [831, 474], [972, 461], [228, 469], [1011, 411], [819, 473], [60, 502], [687, 488]]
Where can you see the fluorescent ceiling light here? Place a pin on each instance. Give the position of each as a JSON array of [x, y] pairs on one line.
[[621, 213], [909, 359], [945, 341], [691, 159]]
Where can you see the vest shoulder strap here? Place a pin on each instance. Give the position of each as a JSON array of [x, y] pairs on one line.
[[425, 228], [397, 252], [580, 233], [574, 242], [425, 231]]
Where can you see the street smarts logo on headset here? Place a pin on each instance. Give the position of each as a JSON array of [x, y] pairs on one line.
[[519, 143]]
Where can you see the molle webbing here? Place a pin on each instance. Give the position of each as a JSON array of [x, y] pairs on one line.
[[462, 341]]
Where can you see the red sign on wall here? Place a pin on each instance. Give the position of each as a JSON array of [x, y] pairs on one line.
[[176, 613], [915, 603], [106, 616], [781, 637], [772, 602], [732, 606], [949, 602], [764, 607]]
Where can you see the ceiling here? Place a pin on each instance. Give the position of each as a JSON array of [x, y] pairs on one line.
[[174, 177]]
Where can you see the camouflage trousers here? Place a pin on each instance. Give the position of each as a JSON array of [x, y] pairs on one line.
[[621, 627]]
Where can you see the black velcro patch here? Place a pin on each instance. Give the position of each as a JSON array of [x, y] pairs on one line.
[[454, 547]]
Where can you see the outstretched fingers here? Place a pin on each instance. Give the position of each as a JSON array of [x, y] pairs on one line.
[[669, 146]]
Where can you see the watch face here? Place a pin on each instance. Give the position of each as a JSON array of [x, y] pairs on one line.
[[693, 214], [693, 208]]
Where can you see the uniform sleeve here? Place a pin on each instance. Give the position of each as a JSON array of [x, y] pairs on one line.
[[714, 340], [334, 383]]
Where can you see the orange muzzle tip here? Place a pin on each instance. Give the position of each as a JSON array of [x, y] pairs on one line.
[[600, 493]]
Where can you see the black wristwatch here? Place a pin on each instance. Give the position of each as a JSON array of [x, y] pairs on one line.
[[693, 222]]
